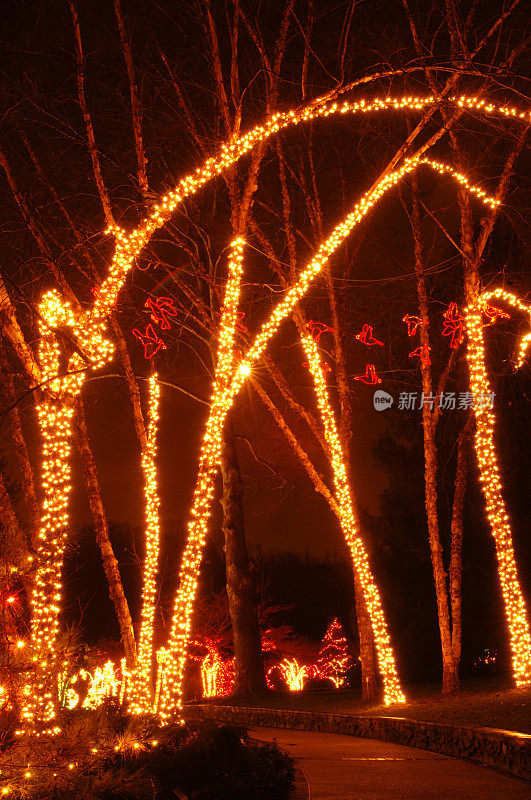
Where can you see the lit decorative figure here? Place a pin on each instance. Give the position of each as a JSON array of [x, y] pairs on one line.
[[366, 336], [103, 684], [453, 326], [140, 691], [68, 697], [93, 351], [515, 608], [151, 341], [317, 329], [369, 377], [292, 672], [494, 314], [414, 323], [160, 311], [334, 659], [217, 676], [422, 352]]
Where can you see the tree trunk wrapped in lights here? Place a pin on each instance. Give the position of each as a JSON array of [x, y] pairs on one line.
[[141, 691], [91, 350], [515, 608]]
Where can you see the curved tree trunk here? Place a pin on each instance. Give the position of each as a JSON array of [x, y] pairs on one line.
[[249, 675], [110, 564]]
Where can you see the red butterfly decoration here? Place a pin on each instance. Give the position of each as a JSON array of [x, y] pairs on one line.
[[370, 377], [318, 328], [494, 314], [366, 337], [453, 326], [151, 341], [422, 352], [159, 311], [413, 323]]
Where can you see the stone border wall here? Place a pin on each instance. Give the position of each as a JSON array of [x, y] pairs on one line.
[[504, 750]]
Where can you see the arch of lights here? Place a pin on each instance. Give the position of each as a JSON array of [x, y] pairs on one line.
[[93, 351]]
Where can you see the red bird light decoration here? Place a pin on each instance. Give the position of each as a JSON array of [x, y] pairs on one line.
[[413, 323], [160, 310], [453, 326], [151, 341], [422, 352], [494, 314], [318, 328], [370, 377], [366, 336]]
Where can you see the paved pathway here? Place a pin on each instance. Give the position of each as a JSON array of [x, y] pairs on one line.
[[350, 768]]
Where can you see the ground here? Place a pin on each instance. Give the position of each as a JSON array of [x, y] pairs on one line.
[[485, 704], [333, 767]]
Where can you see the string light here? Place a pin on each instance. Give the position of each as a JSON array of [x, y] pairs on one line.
[[369, 376], [294, 674], [334, 659], [128, 247], [366, 336], [413, 323], [171, 689], [171, 675], [386, 662], [162, 659], [92, 350], [515, 608], [55, 415], [422, 352], [217, 676], [453, 326], [160, 311], [318, 328], [140, 698], [104, 684], [151, 341]]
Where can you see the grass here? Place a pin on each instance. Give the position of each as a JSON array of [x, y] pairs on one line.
[[486, 703]]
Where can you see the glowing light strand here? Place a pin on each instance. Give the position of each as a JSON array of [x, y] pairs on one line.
[[294, 674], [386, 662], [334, 659], [169, 695], [171, 691], [55, 415], [127, 247], [93, 351], [140, 695], [515, 608]]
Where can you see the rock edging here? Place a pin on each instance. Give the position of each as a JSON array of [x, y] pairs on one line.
[[505, 750]]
